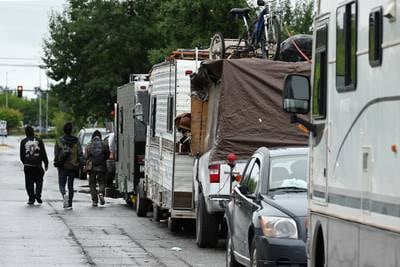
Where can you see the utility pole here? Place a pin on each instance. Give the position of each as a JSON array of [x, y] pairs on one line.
[[6, 89]]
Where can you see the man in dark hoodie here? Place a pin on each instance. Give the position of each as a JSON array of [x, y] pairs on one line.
[[32, 154], [68, 158], [97, 153]]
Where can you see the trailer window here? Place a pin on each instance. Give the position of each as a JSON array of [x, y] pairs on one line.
[[375, 37], [170, 121], [346, 47], [153, 116], [320, 74]]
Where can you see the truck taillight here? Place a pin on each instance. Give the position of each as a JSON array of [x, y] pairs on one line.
[[214, 173]]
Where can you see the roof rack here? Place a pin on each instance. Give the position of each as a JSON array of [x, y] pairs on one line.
[[189, 54]]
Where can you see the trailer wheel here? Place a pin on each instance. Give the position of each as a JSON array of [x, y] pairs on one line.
[[174, 224], [206, 225], [142, 203]]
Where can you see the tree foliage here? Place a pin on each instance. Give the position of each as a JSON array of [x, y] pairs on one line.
[[12, 116], [94, 44], [297, 18]]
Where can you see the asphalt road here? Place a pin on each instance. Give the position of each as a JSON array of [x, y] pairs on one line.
[[109, 235]]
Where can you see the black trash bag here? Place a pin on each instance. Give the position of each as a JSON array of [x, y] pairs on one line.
[[200, 83], [290, 53]]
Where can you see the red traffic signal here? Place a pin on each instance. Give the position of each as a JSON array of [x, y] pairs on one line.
[[19, 90]]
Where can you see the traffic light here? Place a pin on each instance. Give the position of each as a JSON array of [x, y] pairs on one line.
[[19, 90]]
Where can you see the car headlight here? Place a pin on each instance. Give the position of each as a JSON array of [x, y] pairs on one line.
[[278, 227]]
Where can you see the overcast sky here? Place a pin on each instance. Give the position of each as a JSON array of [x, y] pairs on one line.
[[23, 25]]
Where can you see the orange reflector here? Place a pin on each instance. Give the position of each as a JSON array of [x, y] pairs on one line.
[[302, 128]]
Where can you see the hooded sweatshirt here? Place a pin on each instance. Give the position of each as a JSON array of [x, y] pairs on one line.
[[32, 152]]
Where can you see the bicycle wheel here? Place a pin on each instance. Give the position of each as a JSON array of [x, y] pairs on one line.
[[217, 47], [271, 49]]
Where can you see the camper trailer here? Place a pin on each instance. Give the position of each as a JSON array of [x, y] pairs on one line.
[[167, 185], [354, 180], [130, 110]]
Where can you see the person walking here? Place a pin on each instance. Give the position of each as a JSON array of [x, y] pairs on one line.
[[97, 153], [32, 154], [68, 158]]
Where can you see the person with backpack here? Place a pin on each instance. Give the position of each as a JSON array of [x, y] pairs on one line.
[[68, 158], [97, 153], [32, 154]]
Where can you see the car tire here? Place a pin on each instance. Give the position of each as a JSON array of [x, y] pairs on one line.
[[253, 253], [142, 203], [174, 224], [206, 225], [229, 255]]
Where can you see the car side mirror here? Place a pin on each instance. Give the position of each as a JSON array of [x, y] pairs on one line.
[[244, 189], [296, 94], [260, 3]]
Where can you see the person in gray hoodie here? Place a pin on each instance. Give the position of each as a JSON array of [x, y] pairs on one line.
[[68, 158], [32, 154]]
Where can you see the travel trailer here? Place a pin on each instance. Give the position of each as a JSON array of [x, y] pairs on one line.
[[167, 185]]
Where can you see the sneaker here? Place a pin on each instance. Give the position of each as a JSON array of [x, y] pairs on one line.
[[69, 207], [65, 204], [101, 197], [30, 202], [94, 204], [39, 200]]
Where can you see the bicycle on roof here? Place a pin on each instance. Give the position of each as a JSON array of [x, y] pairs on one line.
[[260, 39]]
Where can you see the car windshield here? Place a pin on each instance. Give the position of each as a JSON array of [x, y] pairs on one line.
[[288, 172]]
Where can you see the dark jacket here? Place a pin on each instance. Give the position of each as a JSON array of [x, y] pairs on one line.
[[76, 160], [101, 167], [32, 152]]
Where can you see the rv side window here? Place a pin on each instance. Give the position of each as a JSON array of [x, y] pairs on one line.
[[346, 47], [121, 119], [375, 37], [170, 121], [153, 116], [320, 74]]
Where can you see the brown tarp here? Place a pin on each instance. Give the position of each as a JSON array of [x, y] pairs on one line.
[[250, 111]]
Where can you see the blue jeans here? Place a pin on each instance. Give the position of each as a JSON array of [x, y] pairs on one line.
[[66, 176]]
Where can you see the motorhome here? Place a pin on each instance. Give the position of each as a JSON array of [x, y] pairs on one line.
[[167, 185], [131, 110], [355, 133]]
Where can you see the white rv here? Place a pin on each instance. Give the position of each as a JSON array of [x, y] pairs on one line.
[[354, 179], [168, 167]]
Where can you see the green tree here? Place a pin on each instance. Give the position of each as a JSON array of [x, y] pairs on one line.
[[12, 116], [298, 18], [59, 119]]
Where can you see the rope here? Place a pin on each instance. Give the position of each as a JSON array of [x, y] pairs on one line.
[[297, 47]]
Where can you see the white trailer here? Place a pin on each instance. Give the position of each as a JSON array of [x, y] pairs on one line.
[[168, 169], [130, 109], [354, 179]]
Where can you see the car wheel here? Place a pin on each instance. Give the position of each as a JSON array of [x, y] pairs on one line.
[[142, 204], [206, 225], [230, 257], [253, 255]]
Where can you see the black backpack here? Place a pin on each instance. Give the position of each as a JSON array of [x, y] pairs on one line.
[[65, 151], [96, 152], [32, 152]]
